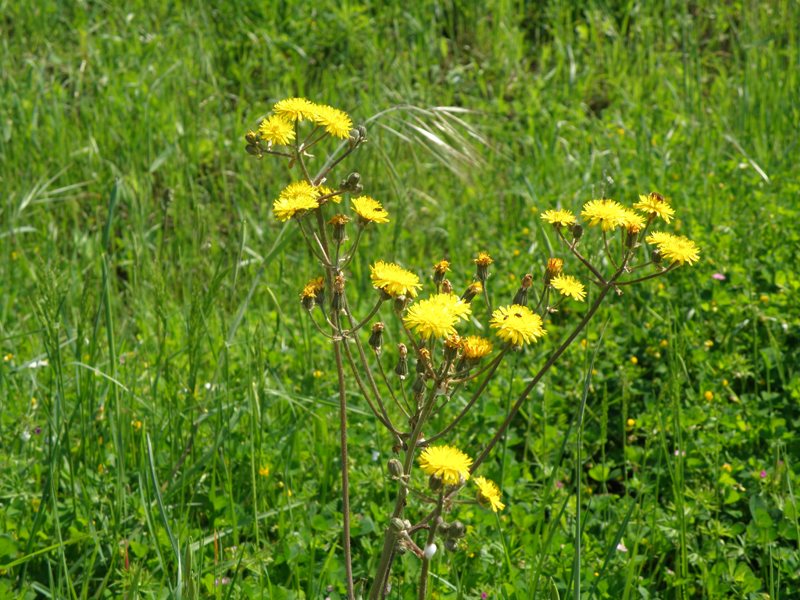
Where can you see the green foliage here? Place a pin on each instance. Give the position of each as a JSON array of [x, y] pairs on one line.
[[147, 291]]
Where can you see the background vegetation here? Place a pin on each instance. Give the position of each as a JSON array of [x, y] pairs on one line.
[[146, 289]]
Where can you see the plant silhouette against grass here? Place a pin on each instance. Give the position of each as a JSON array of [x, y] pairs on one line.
[[439, 360]]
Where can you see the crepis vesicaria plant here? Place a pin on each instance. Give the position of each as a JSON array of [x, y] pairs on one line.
[[441, 370]]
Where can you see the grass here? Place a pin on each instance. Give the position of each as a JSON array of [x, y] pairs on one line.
[[148, 297]]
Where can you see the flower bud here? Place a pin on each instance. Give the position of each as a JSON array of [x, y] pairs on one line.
[[553, 269], [473, 289], [521, 297], [434, 483], [338, 223], [251, 137], [423, 360], [577, 231], [632, 236], [397, 524], [254, 150], [451, 545], [456, 530], [376, 337], [447, 287], [419, 385], [451, 347], [395, 468], [350, 182], [482, 262], [402, 362], [337, 302], [439, 269], [656, 257]]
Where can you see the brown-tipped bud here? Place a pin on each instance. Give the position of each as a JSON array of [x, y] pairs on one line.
[[656, 257], [656, 196], [402, 362], [351, 182], [337, 302], [254, 150], [434, 483], [338, 223], [447, 287], [439, 269], [423, 360], [482, 262], [632, 236], [251, 137], [451, 347], [395, 468], [553, 269], [576, 230], [521, 297], [473, 289], [376, 337], [456, 530], [419, 384], [313, 293], [451, 545]]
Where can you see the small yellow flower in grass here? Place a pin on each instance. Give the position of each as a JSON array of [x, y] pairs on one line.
[[445, 462], [436, 316], [632, 221], [483, 259], [567, 285], [474, 347], [313, 289], [370, 210], [675, 248], [606, 213], [295, 109], [488, 494], [517, 324], [708, 395], [559, 218], [336, 122], [630, 423], [655, 205], [727, 467], [136, 424], [276, 130], [264, 471], [764, 298], [394, 279], [634, 360], [295, 199]]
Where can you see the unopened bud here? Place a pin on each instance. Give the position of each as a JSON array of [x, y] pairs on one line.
[[656, 257], [337, 302], [577, 231], [397, 524], [338, 223], [254, 150], [419, 385], [423, 360], [350, 182], [376, 337], [402, 362], [521, 297], [451, 347], [482, 262], [447, 287], [251, 137], [456, 530], [553, 269], [632, 236], [439, 269], [451, 545], [473, 289], [434, 483], [395, 468]]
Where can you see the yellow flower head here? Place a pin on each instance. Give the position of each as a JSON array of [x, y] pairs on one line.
[[655, 205], [483, 259], [445, 462], [606, 213], [567, 285], [323, 191], [394, 279], [295, 198], [675, 248], [436, 316], [276, 130], [475, 347], [313, 288], [517, 324], [336, 122], [370, 210], [295, 109], [441, 267], [554, 266], [559, 218], [489, 494], [631, 220]]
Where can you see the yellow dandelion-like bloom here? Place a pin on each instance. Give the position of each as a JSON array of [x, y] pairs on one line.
[[312, 288], [394, 279], [609, 214], [675, 248], [655, 205], [436, 316], [295, 109], [489, 493], [370, 210], [517, 324], [323, 190], [567, 285], [276, 130], [632, 220], [336, 122], [475, 347], [449, 464], [295, 198], [483, 259], [441, 267], [560, 217]]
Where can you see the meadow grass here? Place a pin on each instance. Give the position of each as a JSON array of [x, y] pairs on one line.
[[168, 415]]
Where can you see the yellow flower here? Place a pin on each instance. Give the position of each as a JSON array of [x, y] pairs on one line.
[[313, 288], [295, 198], [517, 324], [655, 205], [559, 218], [489, 493], [567, 285], [475, 347], [634, 360], [436, 316], [370, 210], [276, 130], [632, 221], [445, 462], [441, 267], [675, 248], [394, 280], [727, 467], [483, 259], [264, 471], [295, 109], [709, 395], [336, 122], [630, 422], [606, 213]]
